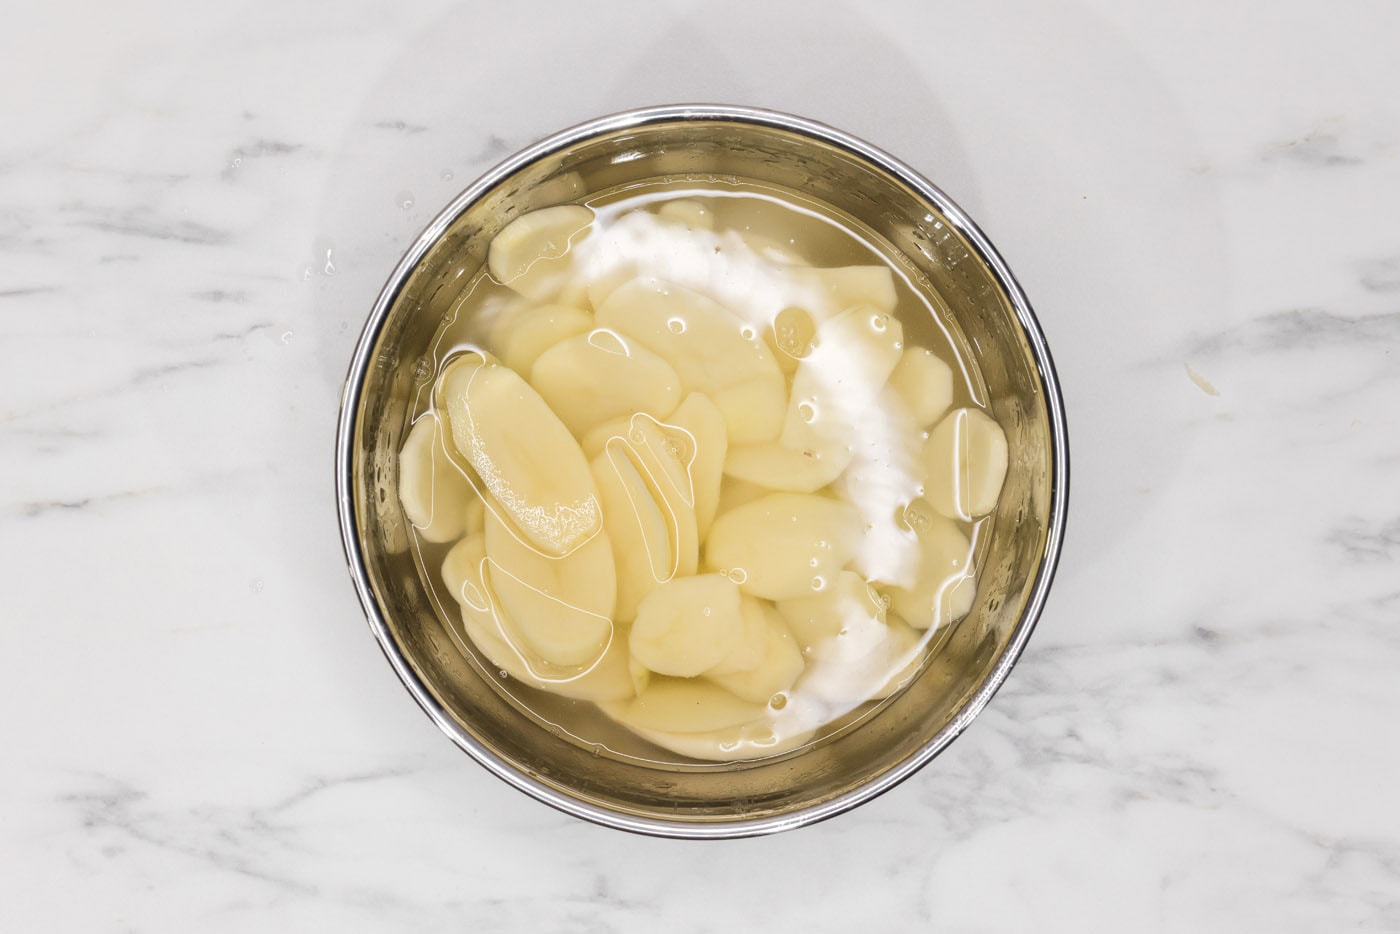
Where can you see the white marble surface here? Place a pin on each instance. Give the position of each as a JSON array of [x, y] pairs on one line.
[[197, 205]]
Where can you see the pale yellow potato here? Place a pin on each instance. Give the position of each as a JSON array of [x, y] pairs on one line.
[[923, 383], [610, 679], [850, 599], [780, 663], [752, 645], [531, 253], [529, 333], [692, 214], [522, 453], [642, 543], [943, 589], [790, 337], [840, 379], [844, 287], [596, 439], [688, 625], [734, 492], [688, 705], [755, 740], [704, 422], [476, 516], [437, 497], [561, 607], [591, 378], [712, 350], [775, 466], [784, 545], [965, 458]]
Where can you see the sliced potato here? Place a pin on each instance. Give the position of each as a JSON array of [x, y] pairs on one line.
[[561, 607], [527, 334], [734, 493], [686, 706], [523, 454], [437, 497], [592, 378], [850, 599], [843, 287], [943, 588], [596, 439], [703, 421], [531, 253], [791, 336], [784, 545], [965, 457], [712, 350], [923, 383], [476, 516], [462, 574], [838, 381], [775, 466], [688, 625], [644, 542], [779, 663]]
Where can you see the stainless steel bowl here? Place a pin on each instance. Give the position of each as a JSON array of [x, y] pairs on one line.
[[854, 765]]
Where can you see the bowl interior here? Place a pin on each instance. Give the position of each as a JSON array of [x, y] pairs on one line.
[[943, 249]]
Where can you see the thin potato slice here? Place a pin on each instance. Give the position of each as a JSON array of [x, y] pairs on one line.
[[779, 664], [561, 607], [643, 543], [923, 383], [821, 616], [703, 421], [686, 706], [775, 466], [596, 439], [592, 378], [437, 498], [943, 589], [837, 382], [523, 454], [524, 336], [531, 253], [965, 457], [712, 350], [687, 626], [784, 545]]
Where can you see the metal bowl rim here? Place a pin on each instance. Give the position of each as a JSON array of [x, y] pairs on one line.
[[1059, 471]]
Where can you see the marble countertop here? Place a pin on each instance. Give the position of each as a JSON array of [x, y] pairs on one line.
[[197, 205]]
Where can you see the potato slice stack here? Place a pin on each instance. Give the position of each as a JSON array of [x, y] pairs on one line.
[[723, 531]]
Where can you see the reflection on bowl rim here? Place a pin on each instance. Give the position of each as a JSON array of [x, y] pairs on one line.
[[1059, 467]]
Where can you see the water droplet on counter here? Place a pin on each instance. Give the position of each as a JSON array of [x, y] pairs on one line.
[[404, 200], [287, 337], [257, 585], [447, 175]]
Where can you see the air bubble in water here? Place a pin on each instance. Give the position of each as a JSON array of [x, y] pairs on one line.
[[818, 583], [676, 325]]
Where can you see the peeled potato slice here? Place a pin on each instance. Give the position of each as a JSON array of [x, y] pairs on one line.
[[594, 377], [837, 382], [712, 351], [596, 439], [839, 288], [784, 545], [686, 706], [527, 334], [530, 253], [943, 589], [775, 466], [561, 607], [779, 662], [608, 680], [966, 461], [687, 626], [523, 454], [437, 498], [923, 383], [791, 335], [700, 418], [822, 615], [734, 493], [642, 542]]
